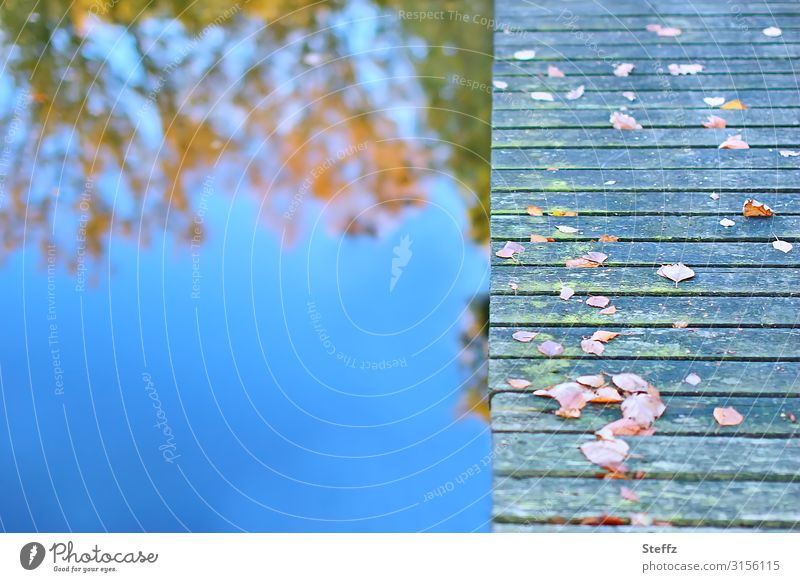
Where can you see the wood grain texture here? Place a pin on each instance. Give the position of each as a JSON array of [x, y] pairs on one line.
[[662, 191]]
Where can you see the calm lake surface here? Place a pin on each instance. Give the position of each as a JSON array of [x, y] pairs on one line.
[[244, 268]]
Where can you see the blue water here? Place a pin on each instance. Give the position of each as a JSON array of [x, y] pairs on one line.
[[280, 375]]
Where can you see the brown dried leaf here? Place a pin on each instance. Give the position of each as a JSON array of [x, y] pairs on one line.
[[591, 346], [755, 209], [610, 310], [594, 380], [728, 416], [535, 211], [598, 301], [518, 383], [608, 453], [607, 520], [509, 250], [604, 336], [630, 382], [734, 142], [524, 336], [551, 348], [715, 122], [622, 121], [677, 272], [608, 238]]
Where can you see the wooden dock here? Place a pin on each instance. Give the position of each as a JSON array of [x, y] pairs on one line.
[[727, 337]]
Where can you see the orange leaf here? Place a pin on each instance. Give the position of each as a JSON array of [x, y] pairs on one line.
[[728, 416], [563, 213], [610, 310], [535, 211], [604, 336], [609, 520], [753, 208], [608, 238], [537, 238], [735, 104]]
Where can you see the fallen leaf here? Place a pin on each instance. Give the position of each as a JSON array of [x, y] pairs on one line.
[[642, 408], [713, 101], [754, 209], [772, 31], [524, 55], [630, 382], [727, 222], [714, 196], [653, 27], [629, 95], [563, 213], [576, 93], [542, 96], [598, 301], [524, 336], [607, 453], [513, 286], [789, 153], [509, 250], [669, 31], [782, 245], [609, 183], [735, 104], [537, 238], [567, 229], [715, 122], [566, 293], [535, 211], [677, 272], [606, 395], [596, 257], [734, 142], [624, 69], [500, 85], [591, 346], [728, 416], [581, 263], [518, 383], [692, 379], [551, 348], [572, 397], [606, 520], [622, 121], [625, 427], [594, 380], [628, 494], [553, 71], [680, 324], [693, 69], [604, 336], [610, 310], [608, 238]]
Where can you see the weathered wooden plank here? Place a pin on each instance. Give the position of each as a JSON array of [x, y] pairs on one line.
[[653, 254], [649, 227], [710, 344], [647, 137], [685, 415], [755, 379], [638, 203], [648, 311], [673, 52], [576, 11], [703, 23], [659, 457], [661, 81], [545, 528], [637, 39], [679, 100], [733, 503], [645, 67], [639, 159], [659, 118], [624, 281]]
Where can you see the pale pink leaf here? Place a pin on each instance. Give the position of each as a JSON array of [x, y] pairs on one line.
[[692, 379], [524, 336], [591, 346], [509, 250], [782, 245], [566, 293], [551, 348], [728, 416], [598, 301], [576, 93], [677, 272], [624, 69], [518, 383], [630, 382], [621, 121], [715, 122], [608, 453], [553, 71], [734, 142]]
